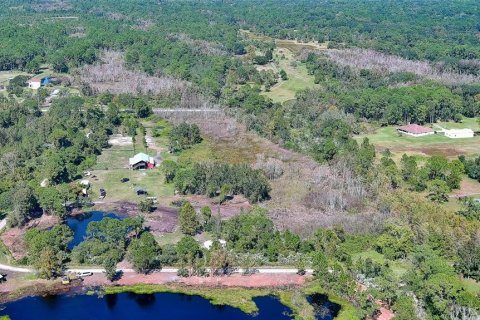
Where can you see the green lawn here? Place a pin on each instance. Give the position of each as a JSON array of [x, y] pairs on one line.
[[5, 76], [388, 137], [298, 77], [372, 254], [112, 166], [470, 123], [472, 286], [399, 267], [168, 237]]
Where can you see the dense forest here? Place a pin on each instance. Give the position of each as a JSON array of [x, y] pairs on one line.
[[385, 63]]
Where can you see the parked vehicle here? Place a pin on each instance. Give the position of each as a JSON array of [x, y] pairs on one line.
[[84, 274]]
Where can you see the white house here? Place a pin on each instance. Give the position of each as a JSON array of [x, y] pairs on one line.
[[35, 83], [458, 133]]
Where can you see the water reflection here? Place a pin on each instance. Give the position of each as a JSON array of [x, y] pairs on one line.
[[138, 306], [324, 309]]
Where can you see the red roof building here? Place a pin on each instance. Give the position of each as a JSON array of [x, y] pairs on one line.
[[415, 130]]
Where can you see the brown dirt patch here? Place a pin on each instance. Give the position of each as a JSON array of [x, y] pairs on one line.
[[444, 151], [13, 238], [252, 281], [12, 290], [236, 280], [468, 187], [120, 140], [230, 208], [163, 219]]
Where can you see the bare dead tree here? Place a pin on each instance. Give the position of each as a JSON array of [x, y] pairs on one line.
[[463, 313], [199, 46], [374, 60], [273, 168], [111, 75]]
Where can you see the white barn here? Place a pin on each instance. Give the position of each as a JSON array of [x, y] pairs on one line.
[[458, 133]]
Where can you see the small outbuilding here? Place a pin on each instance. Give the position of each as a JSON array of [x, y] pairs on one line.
[[458, 133], [208, 244], [141, 161], [415, 130]]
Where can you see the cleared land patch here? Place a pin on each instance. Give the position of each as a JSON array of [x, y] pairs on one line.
[[298, 77], [437, 144]]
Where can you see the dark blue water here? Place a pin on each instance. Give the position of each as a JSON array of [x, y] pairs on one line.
[[324, 308], [130, 306], [79, 224]]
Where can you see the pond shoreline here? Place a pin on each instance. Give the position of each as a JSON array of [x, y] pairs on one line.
[[294, 296]]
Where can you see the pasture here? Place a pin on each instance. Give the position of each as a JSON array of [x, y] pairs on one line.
[[285, 57], [437, 144]]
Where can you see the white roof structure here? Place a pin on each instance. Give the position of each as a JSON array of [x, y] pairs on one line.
[[44, 183], [458, 133], [141, 157], [208, 244]]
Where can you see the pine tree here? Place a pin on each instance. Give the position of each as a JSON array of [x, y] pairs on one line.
[[188, 219]]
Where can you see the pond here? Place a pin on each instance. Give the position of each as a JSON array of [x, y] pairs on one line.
[[138, 306], [324, 308], [79, 223]]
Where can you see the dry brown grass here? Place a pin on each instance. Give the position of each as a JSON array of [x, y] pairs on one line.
[[302, 177]]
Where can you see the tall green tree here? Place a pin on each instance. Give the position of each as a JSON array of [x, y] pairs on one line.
[[144, 253], [188, 219]]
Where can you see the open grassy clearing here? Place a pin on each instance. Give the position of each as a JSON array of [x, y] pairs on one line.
[[285, 58], [298, 77], [388, 137], [292, 45], [112, 166], [5, 76], [437, 144], [174, 237], [399, 267], [470, 123], [471, 286]]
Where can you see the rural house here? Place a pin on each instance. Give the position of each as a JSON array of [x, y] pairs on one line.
[[415, 130], [458, 133], [36, 83], [141, 161]]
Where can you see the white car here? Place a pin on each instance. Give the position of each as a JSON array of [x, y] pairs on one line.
[[84, 274]]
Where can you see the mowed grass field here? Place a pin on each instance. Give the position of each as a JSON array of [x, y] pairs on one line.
[[112, 166], [437, 144]]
